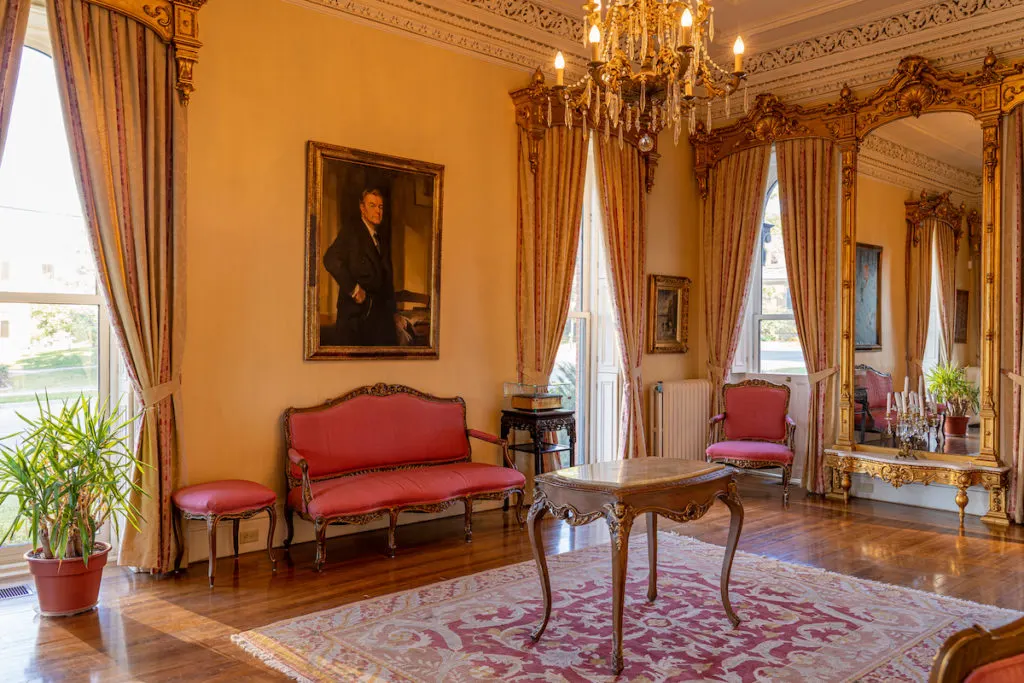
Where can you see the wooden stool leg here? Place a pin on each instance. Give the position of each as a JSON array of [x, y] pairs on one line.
[[211, 532], [272, 511], [234, 531], [179, 534]]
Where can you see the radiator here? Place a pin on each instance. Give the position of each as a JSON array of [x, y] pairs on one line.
[[679, 418]]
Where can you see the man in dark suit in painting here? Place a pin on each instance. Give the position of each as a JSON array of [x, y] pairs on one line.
[[359, 259]]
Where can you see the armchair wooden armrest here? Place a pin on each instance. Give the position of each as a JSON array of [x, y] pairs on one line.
[[491, 438], [295, 458], [791, 433], [715, 429]]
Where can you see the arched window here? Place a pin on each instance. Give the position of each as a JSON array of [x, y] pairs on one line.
[[54, 335]]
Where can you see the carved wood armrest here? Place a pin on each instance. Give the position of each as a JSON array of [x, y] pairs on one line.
[[295, 458], [715, 429], [491, 438], [791, 433]]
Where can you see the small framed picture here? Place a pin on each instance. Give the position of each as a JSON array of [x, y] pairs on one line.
[[668, 306], [867, 311]]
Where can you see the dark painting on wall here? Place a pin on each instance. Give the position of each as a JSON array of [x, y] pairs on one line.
[[867, 327], [373, 252], [963, 298], [668, 304]]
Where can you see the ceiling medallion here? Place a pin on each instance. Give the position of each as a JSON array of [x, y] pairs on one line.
[[650, 68]]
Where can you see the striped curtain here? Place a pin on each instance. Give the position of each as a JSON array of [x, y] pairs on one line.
[[13, 24], [620, 181], [808, 199], [126, 128], [730, 227]]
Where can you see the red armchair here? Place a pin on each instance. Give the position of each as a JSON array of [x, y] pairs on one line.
[[755, 431], [877, 384]]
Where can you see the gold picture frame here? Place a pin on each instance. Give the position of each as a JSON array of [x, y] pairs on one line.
[[373, 255], [668, 307]]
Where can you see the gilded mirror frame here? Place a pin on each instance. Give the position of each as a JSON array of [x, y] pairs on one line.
[[915, 88]]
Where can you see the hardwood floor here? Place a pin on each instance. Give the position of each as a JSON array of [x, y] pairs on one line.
[[177, 629]]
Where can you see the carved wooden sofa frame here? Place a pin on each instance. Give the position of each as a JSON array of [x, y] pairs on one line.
[[306, 481]]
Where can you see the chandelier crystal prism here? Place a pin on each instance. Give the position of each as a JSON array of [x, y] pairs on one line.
[[648, 58]]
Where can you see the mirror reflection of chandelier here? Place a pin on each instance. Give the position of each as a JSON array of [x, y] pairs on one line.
[[647, 57]]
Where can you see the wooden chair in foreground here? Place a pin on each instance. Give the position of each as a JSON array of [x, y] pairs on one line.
[[755, 431], [977, 655]]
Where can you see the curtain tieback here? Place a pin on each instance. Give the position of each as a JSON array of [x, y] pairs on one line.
[[716, 370], [153, 395], [1014, 377], [816, 377], [634, 374]]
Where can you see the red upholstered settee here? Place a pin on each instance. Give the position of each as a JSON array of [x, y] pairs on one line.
[[386, 449]]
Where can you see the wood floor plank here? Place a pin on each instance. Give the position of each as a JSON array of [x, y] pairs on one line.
[[158, 629]]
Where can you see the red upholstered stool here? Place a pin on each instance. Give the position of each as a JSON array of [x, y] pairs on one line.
[[234, 499]]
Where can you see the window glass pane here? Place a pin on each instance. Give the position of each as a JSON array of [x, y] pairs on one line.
[[570, 370], [576, 294], [780, 351], [48, 348], [774, 286], [43, 243]]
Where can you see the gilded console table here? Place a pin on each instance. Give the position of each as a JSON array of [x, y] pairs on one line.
[[897, 472]]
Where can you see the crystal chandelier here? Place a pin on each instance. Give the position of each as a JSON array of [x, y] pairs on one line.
[[647, 57]]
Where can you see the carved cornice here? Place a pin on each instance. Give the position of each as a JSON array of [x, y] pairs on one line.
[[895, 164], [873, 33], [937, 207], [175, 21]]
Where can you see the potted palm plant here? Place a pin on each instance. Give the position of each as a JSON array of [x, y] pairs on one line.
[[950, 386], [70, 472]]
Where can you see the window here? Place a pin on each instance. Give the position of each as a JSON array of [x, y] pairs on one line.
[[54, 334], [769, 343], [588, 357], [934, 352]]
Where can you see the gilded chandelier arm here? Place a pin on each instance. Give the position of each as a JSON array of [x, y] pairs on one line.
[[295, 458], [491, 438]]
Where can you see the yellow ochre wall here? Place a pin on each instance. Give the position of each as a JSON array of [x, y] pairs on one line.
[[881, 221], [273, 75]]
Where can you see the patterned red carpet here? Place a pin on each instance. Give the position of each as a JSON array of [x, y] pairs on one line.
[[799, 624]]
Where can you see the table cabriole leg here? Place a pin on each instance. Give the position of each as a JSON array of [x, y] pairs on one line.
[[735, 505], [652, 556], [620, 522], [537, 512]]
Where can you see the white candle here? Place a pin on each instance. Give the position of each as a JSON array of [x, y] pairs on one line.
[[686, 21], [888, 402], [559, 69], [595, 43], [737, 50], [906, 380], [920, 385]]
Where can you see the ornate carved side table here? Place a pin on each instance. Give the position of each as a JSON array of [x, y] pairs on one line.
[[537, 423], [681, 490]]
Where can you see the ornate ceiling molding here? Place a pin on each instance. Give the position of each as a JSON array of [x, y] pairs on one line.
[[872, 34], [895, 164]]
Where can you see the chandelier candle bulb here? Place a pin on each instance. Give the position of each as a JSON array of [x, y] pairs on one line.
[[559, 69], [737, 50], [687, 23], [595, 43]]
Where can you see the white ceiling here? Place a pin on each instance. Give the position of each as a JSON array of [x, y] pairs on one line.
[[950, 137]]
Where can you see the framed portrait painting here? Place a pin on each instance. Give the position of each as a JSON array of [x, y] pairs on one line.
[[668, 304], [963, 298], [373, 255], [867, 314]]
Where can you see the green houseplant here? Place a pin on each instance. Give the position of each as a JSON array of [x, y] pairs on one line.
[[949, 384], [70, 472]]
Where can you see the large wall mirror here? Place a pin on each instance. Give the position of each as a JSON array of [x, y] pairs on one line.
[[917, 285]]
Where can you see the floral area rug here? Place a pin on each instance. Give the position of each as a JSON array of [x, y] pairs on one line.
[[798, 624]]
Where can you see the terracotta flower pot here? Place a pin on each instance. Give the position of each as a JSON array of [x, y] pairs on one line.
[[67, 587], [955, 426]]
